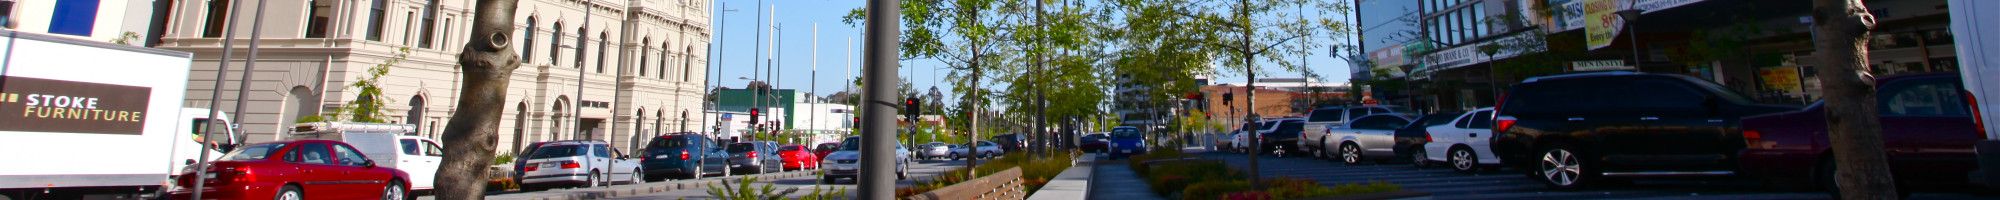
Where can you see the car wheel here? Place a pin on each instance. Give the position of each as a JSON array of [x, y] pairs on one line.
[[1463, 161], [827, 179], [1417, 157], [394, 191], [726, 171], [1319, 150], [635, 179], [954, 156], [1561, 168], [902, 172], [289, 193], [1350, 154], [592, 180]]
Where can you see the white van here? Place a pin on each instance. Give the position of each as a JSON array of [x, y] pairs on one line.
[[389, 144]]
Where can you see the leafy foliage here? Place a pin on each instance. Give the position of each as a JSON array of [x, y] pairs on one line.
[[368, 103], [1167, 174], [742, 190]]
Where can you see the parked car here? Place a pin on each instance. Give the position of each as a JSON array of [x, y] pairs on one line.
[[797, 157], [986, 149], [1097, 142], [390, 143], [521, 161], [846, 162], [1928, 130], [1011, 142], [1127, 141], [820, 151], [580, 163], [1366, 138], [686, 155], [753, 157], [1283, 139], [1243, 141], [1318, 121], [1586, 126], [935, 150], [1411, 138], [1464, 144], [287, 169]]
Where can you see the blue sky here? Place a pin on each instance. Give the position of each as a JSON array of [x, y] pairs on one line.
[[740, 45]]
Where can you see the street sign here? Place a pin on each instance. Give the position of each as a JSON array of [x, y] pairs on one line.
[[1599, 65]]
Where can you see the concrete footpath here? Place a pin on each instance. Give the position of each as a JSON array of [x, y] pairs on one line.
[[1113, 180], [1072, 183]]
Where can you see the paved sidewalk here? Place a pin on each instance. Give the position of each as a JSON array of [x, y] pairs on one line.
[[1072, 183], [1114, 180]]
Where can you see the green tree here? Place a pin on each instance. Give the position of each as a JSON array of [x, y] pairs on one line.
[[368, 102], [487, 61], [1861, 171]]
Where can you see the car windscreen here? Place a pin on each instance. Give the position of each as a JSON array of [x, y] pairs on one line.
[[557, 151], [1290, 128], [742, 147], [827, 146], [851, 144], [1125, 133], [253, 152], [669, 142]]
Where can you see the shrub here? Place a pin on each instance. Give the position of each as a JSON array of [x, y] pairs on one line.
[[1034, 174]]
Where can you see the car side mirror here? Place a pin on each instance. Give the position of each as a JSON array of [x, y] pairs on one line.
[[369, 163], [621, 157], [189, 162]]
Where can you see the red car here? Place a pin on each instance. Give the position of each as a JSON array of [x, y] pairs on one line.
[[1928, 130], [797, 157], [304, 169], [820, 151]]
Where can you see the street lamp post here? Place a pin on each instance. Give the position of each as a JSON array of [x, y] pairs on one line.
[[1631, 17]]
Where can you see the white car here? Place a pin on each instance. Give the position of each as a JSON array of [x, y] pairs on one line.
[[846, 162], [1242, 140], [1463, 144], [1366, 138], [986, 150], [577, 163]]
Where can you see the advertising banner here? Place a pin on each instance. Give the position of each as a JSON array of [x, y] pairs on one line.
[[1601, 26], [46, 105]]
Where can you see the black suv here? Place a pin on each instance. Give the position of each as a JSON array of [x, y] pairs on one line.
[[1572, 130]]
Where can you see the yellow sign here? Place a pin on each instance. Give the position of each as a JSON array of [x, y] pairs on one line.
[[1601, 24], [1782, 79]]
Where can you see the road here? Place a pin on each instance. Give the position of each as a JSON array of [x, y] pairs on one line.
[[922, 170], [1510, 184]]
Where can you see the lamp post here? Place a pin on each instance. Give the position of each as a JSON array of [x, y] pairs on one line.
[[1631, 17]]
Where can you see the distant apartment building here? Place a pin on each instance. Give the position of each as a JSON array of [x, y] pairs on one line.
[[617, 71]]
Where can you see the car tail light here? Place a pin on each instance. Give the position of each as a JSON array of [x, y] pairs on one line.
[[571, 165], [1427, 137], [1977, 120], [1752, 137], [684, 154], [226, 175], [752, 155], [1502, 123], [531, 167]]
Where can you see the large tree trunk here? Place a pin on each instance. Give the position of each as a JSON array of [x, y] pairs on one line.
[[488, 60], [1856, 133]]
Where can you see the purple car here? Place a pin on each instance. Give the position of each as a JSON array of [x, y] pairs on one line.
[[1928, 130]]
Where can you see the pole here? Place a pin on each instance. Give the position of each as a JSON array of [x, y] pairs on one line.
[[249, 68], [812, 125], [215, 95], [582, 46], [708, 85], [879, 136]]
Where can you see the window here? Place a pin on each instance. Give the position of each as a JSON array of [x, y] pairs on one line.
[[218, 16], [1480, 24], [603, 45], [254, 152], [1464, 121], [73, 17], [432, 149], [1439, 118], [582, 45], [429, 23], [376, 13], [409, 24], [349, 157], [1938, 97], [528, 42], [317, 22], [311, 153], [446, 37], [598, 151], [1324, 115], [1482, 120], [686, 64], [1355, 113], [663, 60], [555, 45], [646, 45], [556, 151], [1655, 95], [1378, 123], [409, 146]]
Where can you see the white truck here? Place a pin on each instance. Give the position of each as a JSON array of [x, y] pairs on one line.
[[390, 145], [1976, 31], [85, 119]]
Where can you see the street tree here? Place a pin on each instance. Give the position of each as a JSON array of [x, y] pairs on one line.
[[1861, 169], [488, 59], [965, 34]]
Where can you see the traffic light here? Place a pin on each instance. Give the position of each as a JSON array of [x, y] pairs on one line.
[[912, 108], [753, 116]]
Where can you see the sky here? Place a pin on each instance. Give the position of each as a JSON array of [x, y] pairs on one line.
[[742, 46]]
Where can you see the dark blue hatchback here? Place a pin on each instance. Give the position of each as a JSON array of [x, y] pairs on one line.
[[684, 155], [1127, 141]]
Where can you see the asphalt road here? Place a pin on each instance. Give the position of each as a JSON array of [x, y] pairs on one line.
[[922, 170], [1511, 184]]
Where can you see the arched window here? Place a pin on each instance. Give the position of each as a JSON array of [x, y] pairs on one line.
[[658, 117], [378, 10], [520, 128], [218, 17], [555, 45], [639, 126], [303, 102], [687, 63], [646, 45], [582, 45], [416, 113], [557, 120], [663, 59], [528, 42], [603, 46]]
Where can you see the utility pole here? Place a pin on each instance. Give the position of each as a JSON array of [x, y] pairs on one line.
[[215, 95], [812, 125], [879, 136], [582, 46], [709, 90]]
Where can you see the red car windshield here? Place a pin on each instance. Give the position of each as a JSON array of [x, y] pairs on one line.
[[254, 152]]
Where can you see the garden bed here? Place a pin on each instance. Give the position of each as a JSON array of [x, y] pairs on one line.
[[1033, 174], [1175, 175]]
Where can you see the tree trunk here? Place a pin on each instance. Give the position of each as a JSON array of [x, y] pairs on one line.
[[1856, 133], [488, 60]]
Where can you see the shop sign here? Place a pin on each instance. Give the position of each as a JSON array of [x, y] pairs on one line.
[[1600, 25], [1570, 14], [1469, 54], [1387, 59], [1783, 79], [1599, 65]]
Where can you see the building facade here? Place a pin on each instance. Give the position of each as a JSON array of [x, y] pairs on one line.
[[616, 71]]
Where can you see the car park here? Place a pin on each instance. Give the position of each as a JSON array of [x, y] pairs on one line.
[[1572, 130], [985, 149], [1928, 132], [1127, 141], [1464, 144], [577, 163], [796, 157], [295, 170], [846, 162], [753, 157], [684, 155], [1366, 138], [1319, 121], [1411, 138]]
